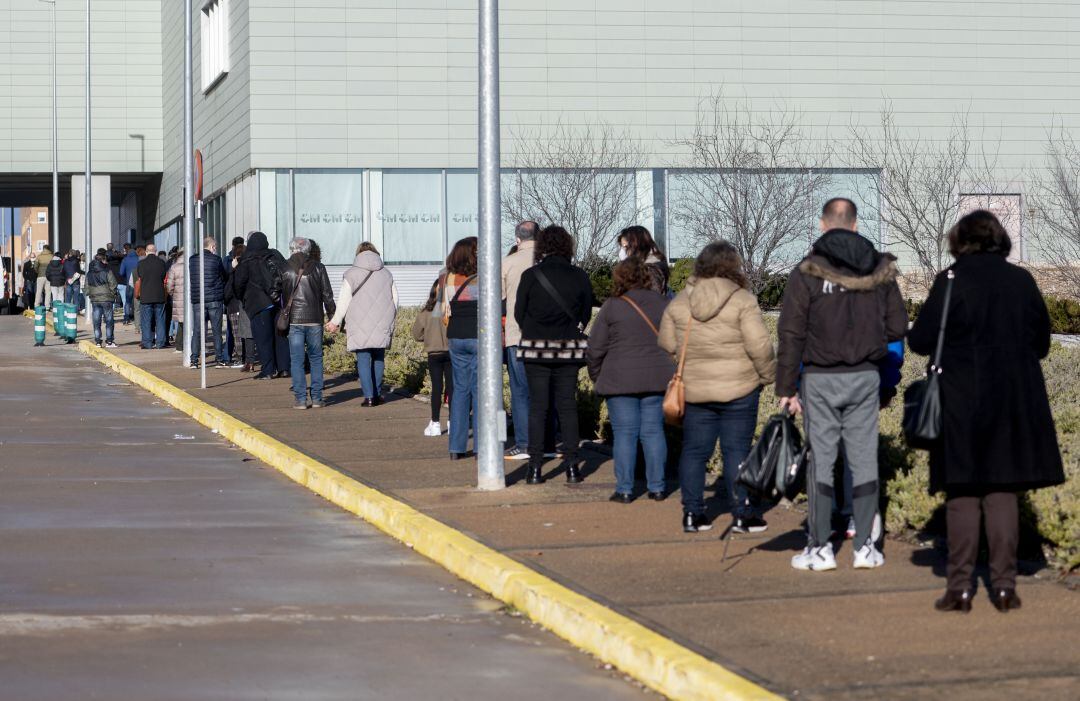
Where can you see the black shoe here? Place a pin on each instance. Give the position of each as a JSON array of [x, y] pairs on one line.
[[1004, 600], [749, 524], [955, 601], [459, 456], [695, 523], [657, 496], [280, 374], [263, 377], [368, 402], [620, 498], [39, 345], [535, 475], [573, 472]]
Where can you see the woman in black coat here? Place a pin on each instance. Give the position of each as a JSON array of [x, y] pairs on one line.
[[554, 305], [998, 436]]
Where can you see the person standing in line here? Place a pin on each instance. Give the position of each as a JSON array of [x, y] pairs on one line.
[[113, 259], [127, 290], [729, 357], [175, 289], [998, 436], [29, 273], [842, 308], [367, 302], [140, 253], [43, 297], [73, 274], [152, 295], [553, 307], [101, 289], [212, 276], [637, 241], [307, 291], [429, 330], [230, 311], [244, 352], [631, 372], [54, 277], [460, 314], [259, 280], [513, 266]]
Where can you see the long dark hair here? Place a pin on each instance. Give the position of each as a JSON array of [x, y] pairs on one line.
[[554, 241], [721, 259], [462, 258], [433, 295], [640, 243]]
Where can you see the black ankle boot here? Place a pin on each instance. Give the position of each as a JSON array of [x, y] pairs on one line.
[[955, 601], [535, 475], [573, 472], [1004, 599]]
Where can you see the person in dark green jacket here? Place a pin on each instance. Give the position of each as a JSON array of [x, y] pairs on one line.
[[101, 288]]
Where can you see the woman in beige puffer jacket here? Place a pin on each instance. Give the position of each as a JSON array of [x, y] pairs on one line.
[[729, 357]]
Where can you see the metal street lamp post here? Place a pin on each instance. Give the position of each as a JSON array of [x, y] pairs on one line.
[[189, 183], [89, 170], [55, 214]]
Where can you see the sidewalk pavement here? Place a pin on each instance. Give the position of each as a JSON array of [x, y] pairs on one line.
[[839, 635]]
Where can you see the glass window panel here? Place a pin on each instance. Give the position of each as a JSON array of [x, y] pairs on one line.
[[411, 216], [462, 204], [329, 209]]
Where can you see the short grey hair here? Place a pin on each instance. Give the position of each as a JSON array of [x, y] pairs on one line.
[[526, 230], [300, 245], [209, 243]]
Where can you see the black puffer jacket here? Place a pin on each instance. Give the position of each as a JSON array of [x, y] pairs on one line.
[[54, 273], [213, 270], [842, 307], [258, 277], [314, 293]]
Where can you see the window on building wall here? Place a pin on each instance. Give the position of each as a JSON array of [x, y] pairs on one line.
[[411, 214], [328, 208], [41, 217], [214, 36]]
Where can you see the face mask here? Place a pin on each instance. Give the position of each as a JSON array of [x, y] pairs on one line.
[[623, 255]]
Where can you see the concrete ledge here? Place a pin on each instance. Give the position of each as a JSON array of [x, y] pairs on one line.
[[652, 659]]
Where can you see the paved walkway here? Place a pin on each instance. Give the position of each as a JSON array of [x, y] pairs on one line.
[[838, 635], [142, 557]]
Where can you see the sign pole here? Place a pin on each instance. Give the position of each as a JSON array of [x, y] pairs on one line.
[[189, 183]]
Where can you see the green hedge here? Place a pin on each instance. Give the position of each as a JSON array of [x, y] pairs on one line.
[[1053, 515], [1064, 315]]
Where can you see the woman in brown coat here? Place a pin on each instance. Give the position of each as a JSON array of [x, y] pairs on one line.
[[729, 356]]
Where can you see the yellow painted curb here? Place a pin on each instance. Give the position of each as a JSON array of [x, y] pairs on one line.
[[652, 659]]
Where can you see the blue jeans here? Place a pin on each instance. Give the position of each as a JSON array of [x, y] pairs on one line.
[[129, 303], [519, 397], [72, 293], [103, 310], [124, 303], [369, 366], [463, 360], [213, 315], [634, 417], [733, 423], [306, 339], [152, 314]]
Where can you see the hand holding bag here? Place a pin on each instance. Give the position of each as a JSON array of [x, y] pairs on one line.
[[675, 396], [922, 400]]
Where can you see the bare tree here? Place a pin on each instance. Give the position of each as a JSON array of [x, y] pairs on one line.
[[920, 192], [753, 182], [1056, 221], [581, 178]]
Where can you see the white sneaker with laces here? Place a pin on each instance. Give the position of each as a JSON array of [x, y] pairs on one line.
[[818, 559], [868, 557], [433, 429]]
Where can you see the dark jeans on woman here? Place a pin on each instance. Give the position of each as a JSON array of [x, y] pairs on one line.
[[733, 423], [637, 417], [464, 402], [552, 383], [442, 381], [273, 349], [1002, 517]]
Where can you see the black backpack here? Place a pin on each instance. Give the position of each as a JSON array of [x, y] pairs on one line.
[[776, 465]]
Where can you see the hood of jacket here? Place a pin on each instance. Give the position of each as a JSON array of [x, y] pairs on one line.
[[257, 243], [709, 295], [368, 260], [849, 260]]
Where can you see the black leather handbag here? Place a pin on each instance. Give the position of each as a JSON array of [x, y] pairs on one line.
[[776, 465], [922, 400]]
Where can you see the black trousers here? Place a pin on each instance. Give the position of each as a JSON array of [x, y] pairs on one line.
[[552, 383], [273, 349], [442, 381], [1001, 514]]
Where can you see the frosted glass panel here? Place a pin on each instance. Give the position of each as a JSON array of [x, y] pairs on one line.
[[411, 215], [329, 209]]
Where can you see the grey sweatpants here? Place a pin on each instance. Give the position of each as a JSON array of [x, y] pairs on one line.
[[841, 409]]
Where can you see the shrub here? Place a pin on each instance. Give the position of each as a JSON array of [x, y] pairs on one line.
[[1064, 315], [680, 273], [772, 293], [601, 283], [913, 307]]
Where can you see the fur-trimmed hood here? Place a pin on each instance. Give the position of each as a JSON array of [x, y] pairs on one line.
[[886, 272], [849, 260]]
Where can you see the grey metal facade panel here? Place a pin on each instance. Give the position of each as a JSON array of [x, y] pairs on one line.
[[125, 85]]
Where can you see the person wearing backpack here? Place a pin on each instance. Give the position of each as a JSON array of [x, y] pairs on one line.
[[842, 308], [631, 372], [259, 283], [429, 330], [553, 306], [717, 325]]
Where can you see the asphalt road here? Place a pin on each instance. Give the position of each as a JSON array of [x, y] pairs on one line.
[[142, 557]]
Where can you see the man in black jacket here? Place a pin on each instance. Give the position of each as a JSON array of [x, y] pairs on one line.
[[212, 276], [151, 282], [842, 307], [259, 283], [307, 293]]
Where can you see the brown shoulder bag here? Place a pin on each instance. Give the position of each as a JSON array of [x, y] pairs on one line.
[[675, 397]]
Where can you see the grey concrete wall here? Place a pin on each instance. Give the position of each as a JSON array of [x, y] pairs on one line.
[[125, 87]]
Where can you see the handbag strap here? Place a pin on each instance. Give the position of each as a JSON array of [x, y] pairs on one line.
[[685, 342], [642, 313], [299, 277], [362, 283], [936, 366], [461, 288], [546, 284]]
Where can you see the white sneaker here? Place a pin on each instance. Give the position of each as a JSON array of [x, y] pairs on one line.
[[868, 557], [433, 429], [817, 559]]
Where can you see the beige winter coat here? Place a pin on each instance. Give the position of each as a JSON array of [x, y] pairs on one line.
[[730, 353], [512, 268]]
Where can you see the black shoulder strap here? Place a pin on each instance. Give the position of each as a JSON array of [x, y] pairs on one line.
[[546, 284], [944, 318], [362, 283], [462, 288]]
